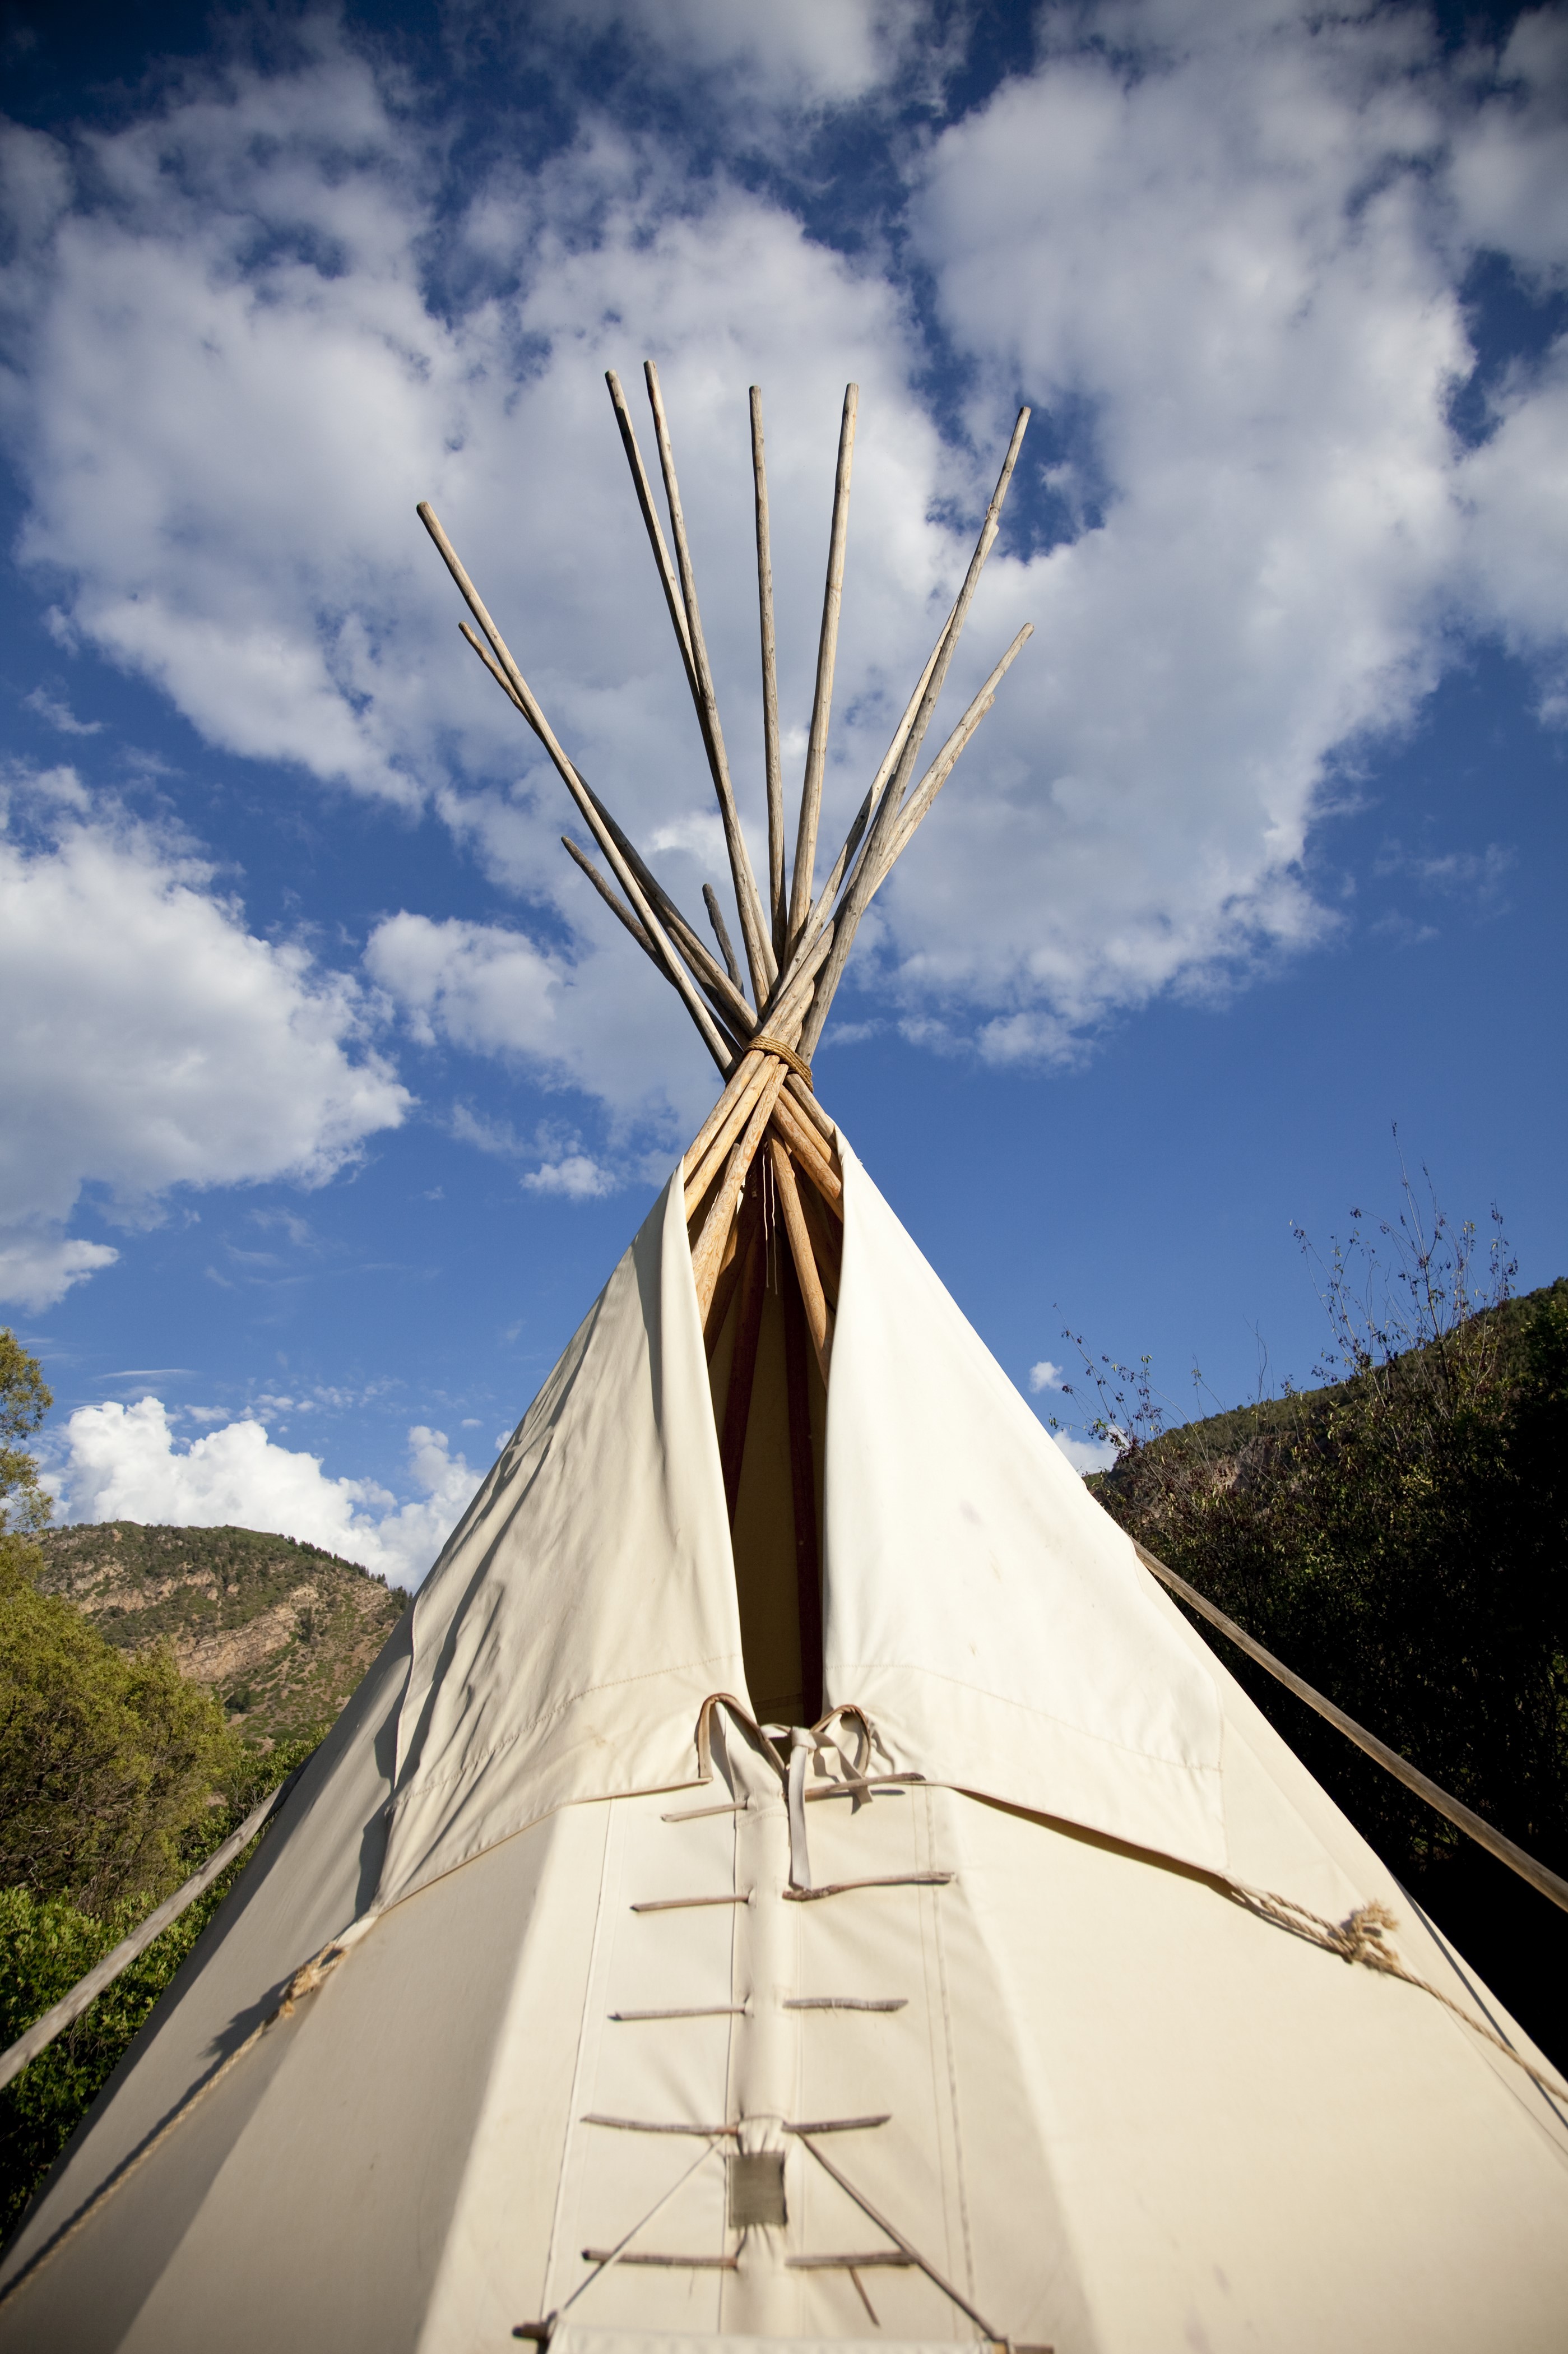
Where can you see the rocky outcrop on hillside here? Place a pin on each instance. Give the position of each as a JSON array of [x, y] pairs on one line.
[[280, 1632]]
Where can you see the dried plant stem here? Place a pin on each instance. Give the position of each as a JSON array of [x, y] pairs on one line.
[[827, 656], [770, 755], [524, 696], [760, 954]]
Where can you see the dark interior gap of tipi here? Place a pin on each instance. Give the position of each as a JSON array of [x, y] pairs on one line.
[[770, 1414]]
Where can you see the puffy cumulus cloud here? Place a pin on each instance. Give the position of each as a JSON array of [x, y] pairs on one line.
[[577, 1175], [230, 389], [1217, 262], [150, 1041], [487, 989], [815, 53], [1221, 247], [39, 1266], [1509, 172], [1084, 1455], [1515, 486], [125, 1463]]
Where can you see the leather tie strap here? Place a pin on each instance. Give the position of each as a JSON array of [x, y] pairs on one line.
[[761, 1044]]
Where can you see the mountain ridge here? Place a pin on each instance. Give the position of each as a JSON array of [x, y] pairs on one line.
[[279, 1630]]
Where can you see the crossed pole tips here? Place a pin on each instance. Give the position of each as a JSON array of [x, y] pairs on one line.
[[795, 945]]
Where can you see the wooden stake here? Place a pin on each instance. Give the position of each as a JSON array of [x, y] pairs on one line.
[[826, 1242], [723, 1292], [716, 917], [868, 807], [827, 656], [808, 1151], [523, 695], [731, 1007], [795, 1226], [806, 1103], [655, 534], [716, 1152], [867, 810], [941, 768], [803, 1498], [743, 1364], [709, 1246], [868, 871], [494, 667], [770, 757], [744, 1071], [753, 931], [724, 988], [611, 901]]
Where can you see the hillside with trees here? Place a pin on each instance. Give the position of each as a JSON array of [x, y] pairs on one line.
[[155, 1684], [1398, 1537], [278, 1631]]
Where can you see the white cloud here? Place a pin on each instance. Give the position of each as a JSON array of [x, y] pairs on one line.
[[812, 54], [151, 1041], [124, 1463], [60, 713], [1084, 1455], [1045, 1376], [1510, 172], [38, 1266], [487, 990], [1221, 245], [577, 1176]]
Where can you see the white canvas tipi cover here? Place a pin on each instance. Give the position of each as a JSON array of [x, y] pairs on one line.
[[993, 2009]]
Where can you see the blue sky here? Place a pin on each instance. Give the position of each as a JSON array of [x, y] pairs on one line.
[[330, 1095]]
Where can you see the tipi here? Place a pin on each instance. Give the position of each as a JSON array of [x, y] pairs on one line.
[[793, 1876]]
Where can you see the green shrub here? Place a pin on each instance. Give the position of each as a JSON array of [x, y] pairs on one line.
[[108, 1759], [47, 1944], [1400, 1538]]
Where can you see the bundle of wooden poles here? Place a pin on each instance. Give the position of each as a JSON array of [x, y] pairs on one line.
[[767, 1133]]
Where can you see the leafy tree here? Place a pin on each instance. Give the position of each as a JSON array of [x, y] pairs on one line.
[[48, 1946], [117, 1776], [108, 1759], [24, 1399]]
